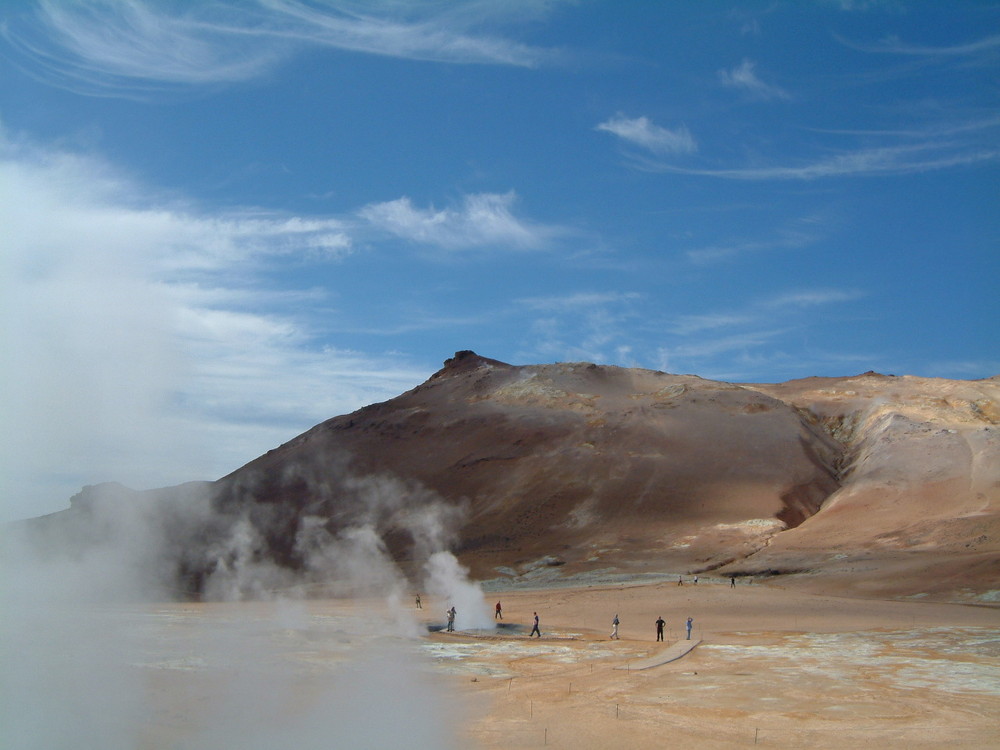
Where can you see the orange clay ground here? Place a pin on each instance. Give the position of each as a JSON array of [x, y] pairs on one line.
[[775, 667]]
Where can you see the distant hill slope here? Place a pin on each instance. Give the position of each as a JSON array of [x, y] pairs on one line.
[[870, 481]]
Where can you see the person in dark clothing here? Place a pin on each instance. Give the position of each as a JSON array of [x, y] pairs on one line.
[[659, 628], [534, 629], [498, 615]]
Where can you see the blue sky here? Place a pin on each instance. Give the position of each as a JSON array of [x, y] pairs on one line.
[[222, 223]]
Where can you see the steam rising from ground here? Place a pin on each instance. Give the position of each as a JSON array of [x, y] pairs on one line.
[[90, 663], [449, 581]]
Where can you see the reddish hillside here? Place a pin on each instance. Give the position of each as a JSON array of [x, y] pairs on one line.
[[587, 468]]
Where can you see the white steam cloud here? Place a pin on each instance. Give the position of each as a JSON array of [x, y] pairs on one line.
[[91, 661], [448, 580]]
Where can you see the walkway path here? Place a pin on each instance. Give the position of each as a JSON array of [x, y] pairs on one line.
[[673, 652]]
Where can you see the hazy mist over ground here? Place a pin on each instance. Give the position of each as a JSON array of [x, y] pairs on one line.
[[83, 642]]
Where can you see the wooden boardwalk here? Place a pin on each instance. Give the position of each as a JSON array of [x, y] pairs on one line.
[[673, 652]]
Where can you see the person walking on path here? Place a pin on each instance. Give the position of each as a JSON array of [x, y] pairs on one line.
[[614, 628], [732, 582], [418, 602], [534, 628], [659, 628], [689, 622], [680, 580], [498, 615], [451, 619]]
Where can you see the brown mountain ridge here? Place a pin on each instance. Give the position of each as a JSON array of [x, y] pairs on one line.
[[876, 484]]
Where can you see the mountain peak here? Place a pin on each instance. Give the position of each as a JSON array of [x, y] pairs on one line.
[[465, 361]]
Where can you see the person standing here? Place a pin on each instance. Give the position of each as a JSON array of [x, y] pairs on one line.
[[534, 629], [659, 628], [732, 582], [418, 602], [689, 623], [498, 615], [451, 619], [614, 628]]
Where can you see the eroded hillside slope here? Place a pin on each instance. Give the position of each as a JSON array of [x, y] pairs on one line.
[[920, 483]]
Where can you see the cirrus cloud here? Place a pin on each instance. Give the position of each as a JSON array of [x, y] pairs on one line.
[[744, 77], [641, 131], [482, 220], [128, 48]]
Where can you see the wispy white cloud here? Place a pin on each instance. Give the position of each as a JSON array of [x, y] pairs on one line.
[[864, 5], [761, 313], [148, 349], [895, 45], [641, 131], [129, 46], [482, 220], [928, 133], [730, 344], [713, 347], [812, 297], [578, 301], [964, 369], [744, 77], [792, 235], [685, 325], [591, 326], [889, 160], [380, 28]]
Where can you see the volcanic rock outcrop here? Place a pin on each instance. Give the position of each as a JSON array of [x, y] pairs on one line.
[[887, 484]]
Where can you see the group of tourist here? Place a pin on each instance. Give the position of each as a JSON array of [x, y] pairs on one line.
[[660, 622]]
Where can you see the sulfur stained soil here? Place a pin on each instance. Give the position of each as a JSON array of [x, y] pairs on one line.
[[775, 667]]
